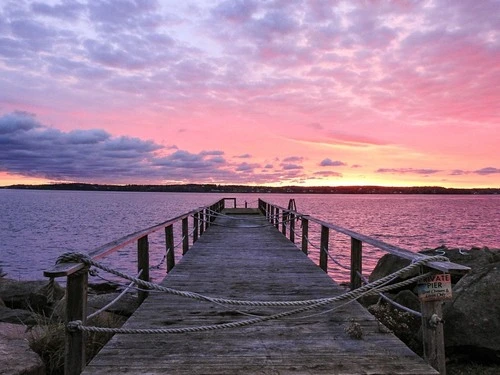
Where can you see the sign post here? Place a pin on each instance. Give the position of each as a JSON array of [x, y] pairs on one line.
[[432, 291]]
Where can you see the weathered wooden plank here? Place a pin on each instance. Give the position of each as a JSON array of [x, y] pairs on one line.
[[247, 258]]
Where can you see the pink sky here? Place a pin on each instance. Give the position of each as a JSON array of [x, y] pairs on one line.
[[276, 92]]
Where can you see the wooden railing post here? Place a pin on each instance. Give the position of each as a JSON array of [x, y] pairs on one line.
[[76, 309], [272, 215], [202, 221], [185, 235], [169, 244], [196, 228], [143, 264], [292, 226], [433, 335], [305, 234], [356, 263], [283, 224], [277, 223], [323, 253], [208, 217]]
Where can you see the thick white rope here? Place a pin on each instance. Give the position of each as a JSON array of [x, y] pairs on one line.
[[104, 308], [78, 257], [78, 325], [394, 303]]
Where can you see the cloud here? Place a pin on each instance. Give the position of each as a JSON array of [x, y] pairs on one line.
[[357, 76], [18, 122], [331, 163], [247, 167], [328, 174], [68, 9], [212, 153], [243, 156], [487, 171], [459, 172], [288, 167], [293, 159], [236, 11], [32, 149], [422, 171]]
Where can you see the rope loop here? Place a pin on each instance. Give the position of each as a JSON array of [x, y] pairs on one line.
[[74, 257], [74, 325]]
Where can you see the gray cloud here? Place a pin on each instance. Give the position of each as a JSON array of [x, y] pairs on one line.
[[247, 167], [243, 156], [288, 167], [67, 9], [293, 159], [422, 171], [331, 163], [487, 171], [31, 149]]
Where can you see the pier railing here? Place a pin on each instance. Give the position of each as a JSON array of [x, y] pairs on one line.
[[287, 218], [288, 221], [77, 273]]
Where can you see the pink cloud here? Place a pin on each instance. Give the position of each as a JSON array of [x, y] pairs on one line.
[[408, 81]]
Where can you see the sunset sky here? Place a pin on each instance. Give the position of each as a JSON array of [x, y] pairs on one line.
[[267, 92]]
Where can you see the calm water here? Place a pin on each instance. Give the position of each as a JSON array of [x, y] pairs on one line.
[[37, 226]]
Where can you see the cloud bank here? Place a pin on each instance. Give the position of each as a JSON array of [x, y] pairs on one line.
[[394, 88]]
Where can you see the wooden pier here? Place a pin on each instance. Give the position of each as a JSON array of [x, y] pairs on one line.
[[247, 258], [244, 254]]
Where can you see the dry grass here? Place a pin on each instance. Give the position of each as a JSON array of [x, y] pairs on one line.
[[47, 339]]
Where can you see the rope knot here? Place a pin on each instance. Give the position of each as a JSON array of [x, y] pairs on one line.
[[73, 257], [74, 325]]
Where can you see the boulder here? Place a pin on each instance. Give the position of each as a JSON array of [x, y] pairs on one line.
[[389, 264], [16, 357], [408, 299], [103, 287], [474, 258], [18, 316], [125, 306], [472, 318], [32, 295]]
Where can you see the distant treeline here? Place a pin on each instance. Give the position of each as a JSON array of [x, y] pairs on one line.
[[214, 188]]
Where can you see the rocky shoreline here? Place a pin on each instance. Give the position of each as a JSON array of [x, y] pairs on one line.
[[32, 329], [471, 317]]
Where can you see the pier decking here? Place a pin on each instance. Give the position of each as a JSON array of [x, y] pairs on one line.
[[245, 257]]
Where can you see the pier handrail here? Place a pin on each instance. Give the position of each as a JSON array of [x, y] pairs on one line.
[[431, 311], [392, 249], [77, 273]]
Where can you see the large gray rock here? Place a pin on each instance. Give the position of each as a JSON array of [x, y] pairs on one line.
[[125, 306], [31, 295], [473, 258], [18, 316], [472, 318], [16, 357], [389, 264]]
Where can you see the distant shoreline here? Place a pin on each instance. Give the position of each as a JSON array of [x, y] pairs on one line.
[[213, 188]]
